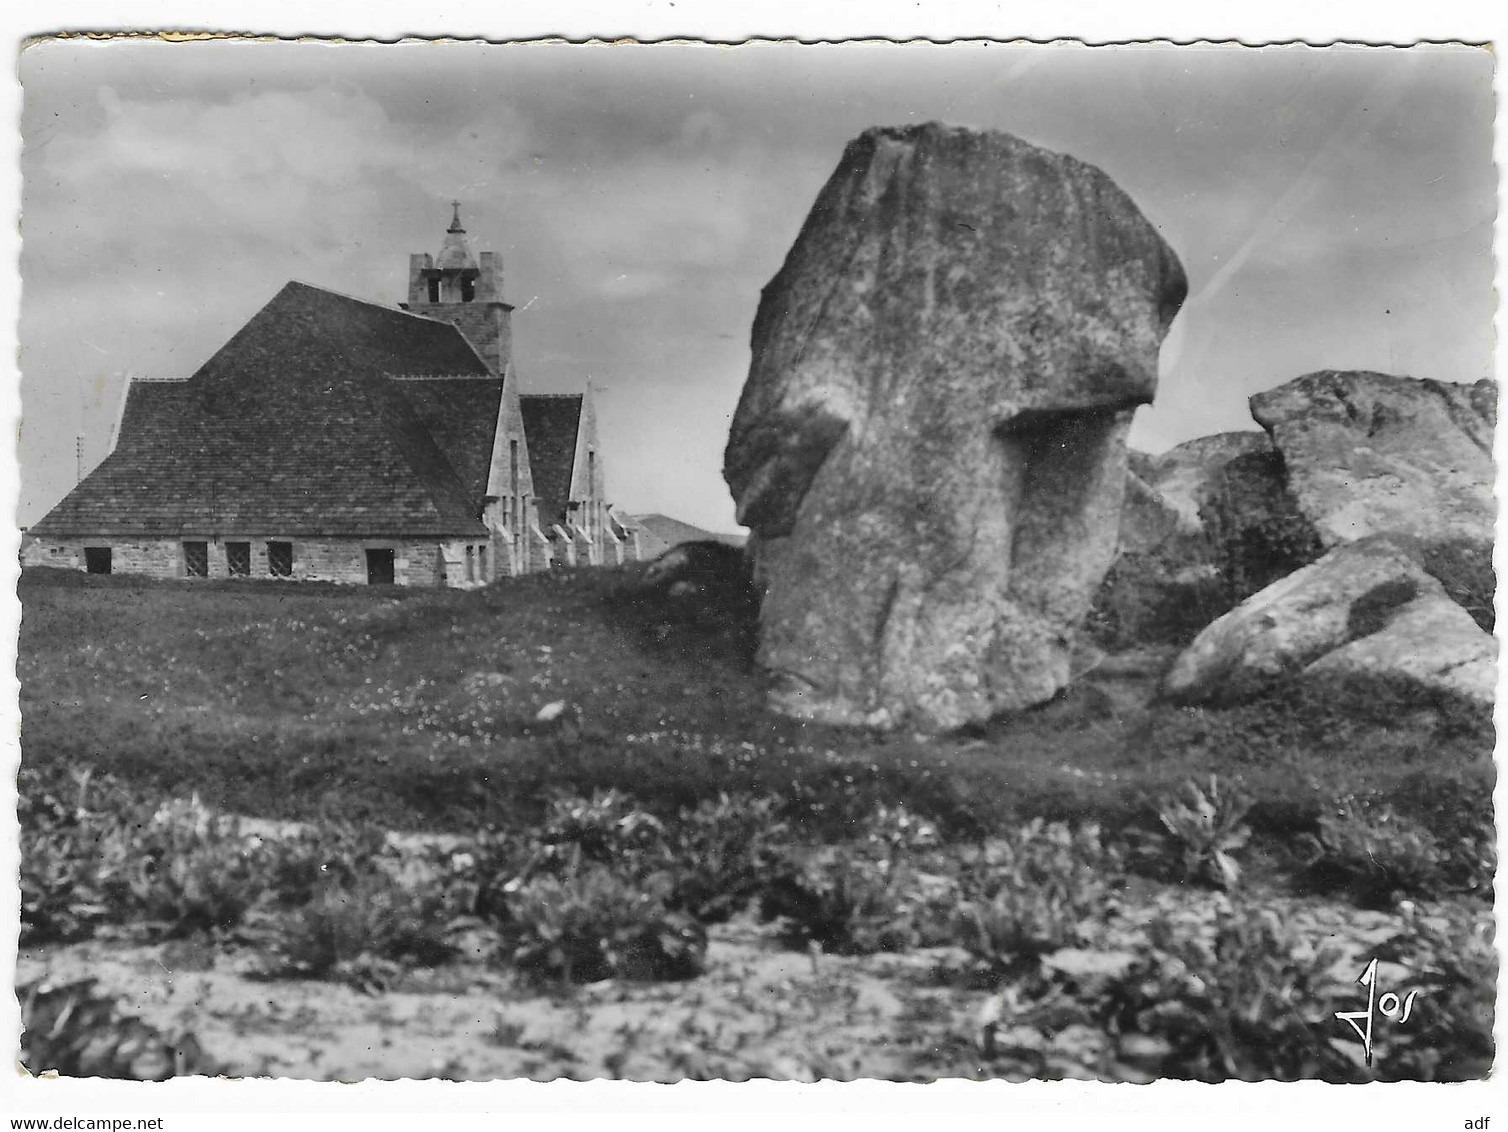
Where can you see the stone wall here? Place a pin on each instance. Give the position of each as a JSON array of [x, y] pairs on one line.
[[157, 559], [540, 549], [415, 562]]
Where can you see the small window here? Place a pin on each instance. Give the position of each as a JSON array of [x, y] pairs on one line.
[[471, 563], [280, 559], [434, 290], [97, 559], [481, 561], [196, 559], [238, 559], [468, 289]]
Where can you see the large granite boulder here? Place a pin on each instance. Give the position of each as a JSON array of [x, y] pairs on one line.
[[1366, 453], [1366, 607], [930, 447]]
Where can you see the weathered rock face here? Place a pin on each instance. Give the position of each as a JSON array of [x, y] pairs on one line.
[[1430, 640], [1186, 475], [1251, 525], [930, 445], [1147, 519], [1365, 453], [1230, 507], [1365, 607]]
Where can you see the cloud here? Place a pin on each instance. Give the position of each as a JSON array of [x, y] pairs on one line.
[[643, 196], [290, 166]]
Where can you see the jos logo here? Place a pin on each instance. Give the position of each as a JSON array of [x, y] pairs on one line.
[[1389, 1005]]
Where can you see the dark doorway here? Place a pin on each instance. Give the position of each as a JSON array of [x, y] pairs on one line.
[[379, 567], [97, 559]]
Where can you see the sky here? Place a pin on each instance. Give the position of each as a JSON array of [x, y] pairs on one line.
[[1333, 209]]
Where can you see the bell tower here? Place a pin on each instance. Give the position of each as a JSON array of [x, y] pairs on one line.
[[466, 291]]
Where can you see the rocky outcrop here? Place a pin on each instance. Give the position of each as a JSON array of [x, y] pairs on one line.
[[697, 567], [1250, 524], [1147, 519], [1230, 509], [1368, 453], [1365, 607], [930, 445], [1187, 475]]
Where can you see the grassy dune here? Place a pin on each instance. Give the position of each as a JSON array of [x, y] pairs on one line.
[[415, 710]]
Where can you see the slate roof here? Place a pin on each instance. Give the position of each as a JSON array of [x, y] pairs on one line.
[[461, 414], [552, 422], [293, 428]]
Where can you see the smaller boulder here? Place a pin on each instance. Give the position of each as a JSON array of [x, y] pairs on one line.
[[1370, 606], [697, 567], [551, 712], [559, 718], [1433, 642], [1367, 453]]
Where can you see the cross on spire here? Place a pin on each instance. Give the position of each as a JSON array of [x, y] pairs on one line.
[[455, 220]]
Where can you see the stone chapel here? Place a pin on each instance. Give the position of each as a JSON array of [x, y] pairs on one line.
[[335, 439]]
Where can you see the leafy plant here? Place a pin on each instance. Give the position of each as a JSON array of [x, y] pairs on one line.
[[62, 878], [845, 903], [78, 1032], [472, 880], [299, 866], [1249, 999], [1453, 964], [185, 869], [357, 933], [592, 925], [722, 852], [104, 857], [1041, 888], [1205, 829], [605, 827], [866, 895], [1374, 853], [62, 897]]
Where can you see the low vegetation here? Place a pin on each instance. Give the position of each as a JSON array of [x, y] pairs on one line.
[[1464, 568], [1041, 865]]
